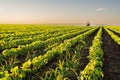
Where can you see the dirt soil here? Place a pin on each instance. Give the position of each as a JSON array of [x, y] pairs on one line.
[[111, 50]]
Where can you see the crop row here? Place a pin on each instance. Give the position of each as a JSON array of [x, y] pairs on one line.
[[34, 64], [93, 70], [113, 36], [34, 49], [27, 34], [36, 45], [43, 36]]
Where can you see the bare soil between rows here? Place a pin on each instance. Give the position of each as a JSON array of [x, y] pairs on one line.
[[111, 50]]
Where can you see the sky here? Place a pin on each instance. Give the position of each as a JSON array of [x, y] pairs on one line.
[[60, 12]]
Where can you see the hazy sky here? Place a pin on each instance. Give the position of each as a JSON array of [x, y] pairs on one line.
[[59, 11]]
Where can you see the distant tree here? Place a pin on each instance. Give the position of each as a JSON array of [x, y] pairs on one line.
[[88, 24]]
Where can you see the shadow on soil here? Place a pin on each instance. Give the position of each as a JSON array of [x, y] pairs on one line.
[[111, 50]]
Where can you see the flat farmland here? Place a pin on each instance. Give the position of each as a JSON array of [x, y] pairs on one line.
[[59, 52]]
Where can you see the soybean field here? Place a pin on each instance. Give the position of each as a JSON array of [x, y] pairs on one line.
[[59, 52]]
